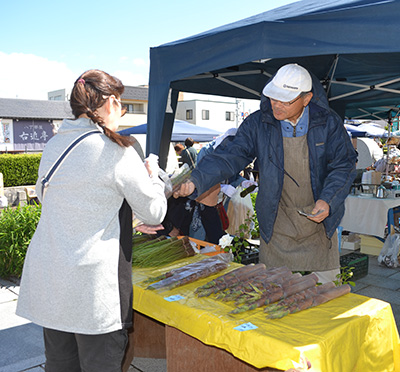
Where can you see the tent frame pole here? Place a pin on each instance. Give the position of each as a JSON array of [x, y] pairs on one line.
[[169, 118], [365, 88]]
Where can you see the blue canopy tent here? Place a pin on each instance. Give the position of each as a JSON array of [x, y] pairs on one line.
[[366, 130], [181, 130], [351, 46], [354, 132]]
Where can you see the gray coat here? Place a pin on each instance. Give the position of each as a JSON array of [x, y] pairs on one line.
[[77, 272]]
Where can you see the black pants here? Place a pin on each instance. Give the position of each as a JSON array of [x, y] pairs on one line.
[[212, 224], [72, 352], [180, 215]]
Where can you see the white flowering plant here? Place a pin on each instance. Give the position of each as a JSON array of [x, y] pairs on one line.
[[234, 245], [225, 241], [237, 244]]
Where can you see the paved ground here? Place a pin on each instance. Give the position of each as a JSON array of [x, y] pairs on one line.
[[21, 344]]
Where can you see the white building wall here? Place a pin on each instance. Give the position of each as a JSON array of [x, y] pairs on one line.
[[218, 107], [217, 112], [181, 109], [132, 120], [57, 95]]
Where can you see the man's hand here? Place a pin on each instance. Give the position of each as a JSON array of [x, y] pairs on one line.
[[321, 211], [148, 229], [186, 189]]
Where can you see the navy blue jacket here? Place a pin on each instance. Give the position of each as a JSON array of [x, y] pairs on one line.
[[331, 154]]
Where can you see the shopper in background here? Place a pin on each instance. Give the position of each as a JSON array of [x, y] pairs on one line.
[[178, 150], [76, 281], [189, 154], [306, 162]]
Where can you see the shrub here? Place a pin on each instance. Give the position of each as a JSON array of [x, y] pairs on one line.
[[17, 226], [19, 169]]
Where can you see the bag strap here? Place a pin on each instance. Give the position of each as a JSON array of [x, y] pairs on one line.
[[49, 175], [190, 157]]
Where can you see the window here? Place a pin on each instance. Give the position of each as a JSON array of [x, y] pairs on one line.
[[138, 108], [205, 114], [229, 115], [189, 114], [55, 98], [134, 108]]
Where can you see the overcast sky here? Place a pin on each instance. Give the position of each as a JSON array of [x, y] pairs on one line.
[[46, 45]]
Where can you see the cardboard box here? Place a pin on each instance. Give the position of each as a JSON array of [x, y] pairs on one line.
[[353, 246], [351, 241], [370, 245]]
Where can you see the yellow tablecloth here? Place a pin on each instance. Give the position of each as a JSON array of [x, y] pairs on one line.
[[352, 333]]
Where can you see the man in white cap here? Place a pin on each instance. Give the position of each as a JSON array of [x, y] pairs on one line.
[[306, 163]]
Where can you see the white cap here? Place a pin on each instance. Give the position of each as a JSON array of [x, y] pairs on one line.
[[288, 83]]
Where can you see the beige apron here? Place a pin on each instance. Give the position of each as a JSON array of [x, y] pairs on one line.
[[297, 242]]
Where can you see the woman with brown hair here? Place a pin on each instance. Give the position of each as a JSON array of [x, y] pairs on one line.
[[76, 281]]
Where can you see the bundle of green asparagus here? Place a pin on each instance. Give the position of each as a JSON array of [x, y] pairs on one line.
[[279, 291], [261, 286], [297, 297], [282, 291], [160, 251], [243, 281], [252, 289], [191, 272], [230, 279], [305, 299]]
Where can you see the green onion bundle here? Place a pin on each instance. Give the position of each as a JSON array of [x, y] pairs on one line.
[[142, 238], [175, 181], [161, 251]]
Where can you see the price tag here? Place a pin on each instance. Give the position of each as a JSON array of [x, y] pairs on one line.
[[245, 327], [174, 298]]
